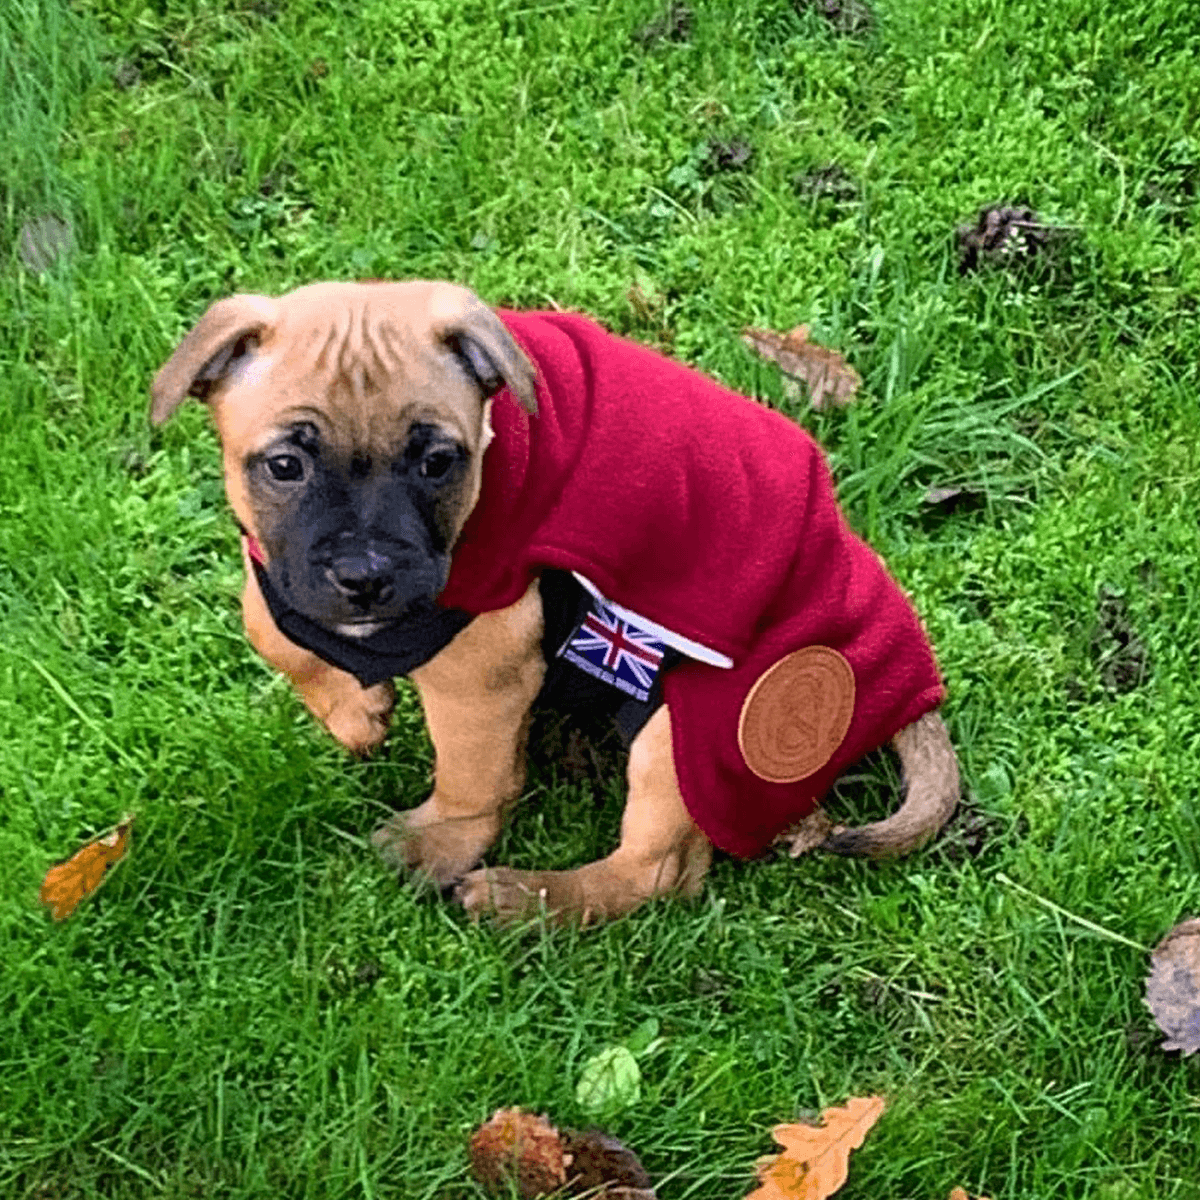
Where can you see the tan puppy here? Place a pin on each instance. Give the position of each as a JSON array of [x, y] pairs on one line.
[[354, 420]]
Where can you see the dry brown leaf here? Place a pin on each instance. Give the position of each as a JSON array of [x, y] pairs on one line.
[[961, 1194], [940, 495], [67, 883], [848, 17], [1173, 987], [517, 1147], [1005, 233], [816, 1159], [650, 309], [599, 1165], [806, 834], [829, 377]]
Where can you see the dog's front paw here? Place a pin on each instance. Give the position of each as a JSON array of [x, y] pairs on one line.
[[443, 848], [510, 895], [357, 716], [501, 892]]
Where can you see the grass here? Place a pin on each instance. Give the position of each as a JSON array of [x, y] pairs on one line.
[[251, 1006]]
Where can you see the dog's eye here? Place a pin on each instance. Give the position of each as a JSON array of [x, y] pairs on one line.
[[435, 464], [285, 467]]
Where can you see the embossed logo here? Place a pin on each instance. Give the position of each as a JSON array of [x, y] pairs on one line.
[[796, 715]]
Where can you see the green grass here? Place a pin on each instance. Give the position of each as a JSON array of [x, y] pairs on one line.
[[252, 1007]]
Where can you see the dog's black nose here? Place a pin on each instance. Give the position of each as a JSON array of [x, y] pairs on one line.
[[364, 578]]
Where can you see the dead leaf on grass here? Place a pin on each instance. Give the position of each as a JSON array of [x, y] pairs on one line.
[[829, 182], [599, 1165], [1005, 234], [961, 1194], [849, 17], [730, 154], [941, 501], [1173, 987], [67, 883], [807, 834], [829, 377], [1121, 655], [650, 309], [951, 497], [127, 75], [674, 25], [517, 1149], [816, 1159]]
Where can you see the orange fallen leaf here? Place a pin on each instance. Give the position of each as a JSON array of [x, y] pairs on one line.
[[961, 1194], [830, 378], [67, 883], [816, 1159]]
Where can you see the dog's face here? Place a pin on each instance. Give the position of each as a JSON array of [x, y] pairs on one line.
[[353, 418]]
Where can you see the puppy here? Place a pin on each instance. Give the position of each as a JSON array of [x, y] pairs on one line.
[[508, 505]]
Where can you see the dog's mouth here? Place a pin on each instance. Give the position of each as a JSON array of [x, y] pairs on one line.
[[364, 624], [416, 610], [361, 629]]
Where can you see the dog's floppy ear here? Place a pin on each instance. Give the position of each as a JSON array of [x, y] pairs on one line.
[[478, 338], [226, 333]]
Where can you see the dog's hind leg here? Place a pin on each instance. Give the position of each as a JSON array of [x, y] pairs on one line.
[[357, 716], [662, 850], [476, 694]]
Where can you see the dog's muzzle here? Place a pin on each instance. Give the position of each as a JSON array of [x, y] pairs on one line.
[[365, 578], [371, 652]]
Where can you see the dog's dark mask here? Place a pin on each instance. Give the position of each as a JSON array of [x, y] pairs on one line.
[[358, 540], [393, 650]]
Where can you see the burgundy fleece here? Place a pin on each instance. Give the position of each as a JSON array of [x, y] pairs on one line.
[[714, 517]]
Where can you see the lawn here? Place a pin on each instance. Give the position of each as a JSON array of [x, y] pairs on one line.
[[252, 1006]]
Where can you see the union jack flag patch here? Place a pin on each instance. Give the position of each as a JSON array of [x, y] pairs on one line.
[[613, 649]]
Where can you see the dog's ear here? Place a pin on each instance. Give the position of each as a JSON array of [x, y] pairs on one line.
[[487, 351], [229, 331]]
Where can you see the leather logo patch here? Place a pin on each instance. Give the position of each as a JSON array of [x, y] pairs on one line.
[[796, 715]]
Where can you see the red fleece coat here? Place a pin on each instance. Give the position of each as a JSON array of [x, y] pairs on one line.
[[712, 516]]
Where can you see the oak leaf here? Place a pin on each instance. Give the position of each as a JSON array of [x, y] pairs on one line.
[[816, 1159], [829, 377], [67, 883]]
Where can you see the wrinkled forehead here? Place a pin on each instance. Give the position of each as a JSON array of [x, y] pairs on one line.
[[363, 373]]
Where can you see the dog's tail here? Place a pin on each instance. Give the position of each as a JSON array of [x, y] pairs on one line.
[[931, 795]]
